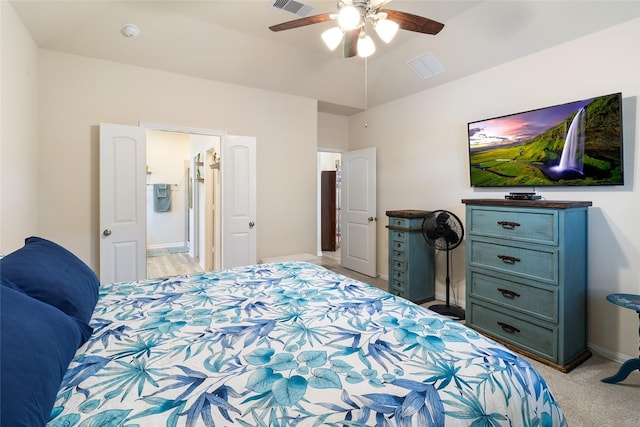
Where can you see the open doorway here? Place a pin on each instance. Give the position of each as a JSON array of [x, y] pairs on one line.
[[355, 208], [329, 230], [180, 191]]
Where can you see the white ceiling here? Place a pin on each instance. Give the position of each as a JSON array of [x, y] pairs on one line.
[[229, 41]]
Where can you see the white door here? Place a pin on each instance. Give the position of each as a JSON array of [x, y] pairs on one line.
[[238, 170], [358, 208], [122, 203]]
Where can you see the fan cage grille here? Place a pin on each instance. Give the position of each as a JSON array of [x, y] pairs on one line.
[[443, 230]]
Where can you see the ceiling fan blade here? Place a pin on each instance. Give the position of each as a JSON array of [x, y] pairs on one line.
[[309, 20], [410, 22], [351, 43]]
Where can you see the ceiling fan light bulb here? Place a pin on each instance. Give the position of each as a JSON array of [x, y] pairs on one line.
[[386, 29], [366, 47], [332, 37], [349, 18]]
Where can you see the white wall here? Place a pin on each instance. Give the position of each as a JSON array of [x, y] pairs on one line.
[[333, 132], [422, 160], [18, 132], [328, 161], [166, 156]]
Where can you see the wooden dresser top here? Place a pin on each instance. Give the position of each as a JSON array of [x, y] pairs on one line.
[[554, 204], [408, 213]]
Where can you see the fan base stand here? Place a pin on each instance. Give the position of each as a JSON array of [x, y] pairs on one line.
[[448, 310]]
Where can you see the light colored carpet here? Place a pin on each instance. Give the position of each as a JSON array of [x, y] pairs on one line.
[[588, 402]]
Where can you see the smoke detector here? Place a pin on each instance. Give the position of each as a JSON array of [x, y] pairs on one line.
[[131, 31]]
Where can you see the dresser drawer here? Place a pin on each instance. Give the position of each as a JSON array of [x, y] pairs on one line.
[[397, 255], [399, 235], [399, 265], [398, 288], [539, 263], [528, 299], [399, 293], [532, 337], [538, 226], [399, 222], [398, 275], [398, 245]]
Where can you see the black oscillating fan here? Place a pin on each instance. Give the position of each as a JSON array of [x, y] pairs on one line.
[[444, 231]]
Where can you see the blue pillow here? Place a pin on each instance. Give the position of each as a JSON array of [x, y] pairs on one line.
[[46, 271], [37, 343]]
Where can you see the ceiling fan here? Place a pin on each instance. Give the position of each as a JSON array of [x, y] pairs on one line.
[[355, 17]]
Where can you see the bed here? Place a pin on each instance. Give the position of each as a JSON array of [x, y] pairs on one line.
[[280, 344]]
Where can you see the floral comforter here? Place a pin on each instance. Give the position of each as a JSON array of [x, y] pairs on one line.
[[289, 344]]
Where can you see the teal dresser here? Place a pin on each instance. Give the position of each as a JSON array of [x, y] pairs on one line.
[[411, 259], [526, 276]]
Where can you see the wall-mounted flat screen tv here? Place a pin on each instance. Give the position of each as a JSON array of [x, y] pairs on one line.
[[578, 143]]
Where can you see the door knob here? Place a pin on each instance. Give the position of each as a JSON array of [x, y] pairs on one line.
[[106, 232], [371, 219], [251, 224]]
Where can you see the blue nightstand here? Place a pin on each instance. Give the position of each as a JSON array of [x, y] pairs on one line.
[[631, 302], [411, 259]]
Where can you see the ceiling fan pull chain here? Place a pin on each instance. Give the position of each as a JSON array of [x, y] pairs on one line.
[[366, 92]]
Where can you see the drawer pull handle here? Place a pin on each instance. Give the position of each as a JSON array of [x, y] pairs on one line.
[[508, 225], [508, 328], [508, 294], [508, 259]]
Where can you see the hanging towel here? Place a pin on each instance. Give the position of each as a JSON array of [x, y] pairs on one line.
[[161, 197]]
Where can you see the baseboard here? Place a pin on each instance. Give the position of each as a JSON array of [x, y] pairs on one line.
[[166, 245], [306, 257], [608, 354]]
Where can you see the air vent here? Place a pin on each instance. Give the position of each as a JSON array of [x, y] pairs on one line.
[[426, 66], [294, 7]]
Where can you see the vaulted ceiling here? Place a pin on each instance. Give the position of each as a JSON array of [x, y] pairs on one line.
[[229, 41]]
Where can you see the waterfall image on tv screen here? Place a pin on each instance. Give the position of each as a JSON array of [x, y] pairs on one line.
[[578, 143]]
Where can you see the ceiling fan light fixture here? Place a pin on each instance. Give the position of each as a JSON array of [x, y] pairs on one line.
[[366, 47], [386, 29], [332, 37], [349, 18], [357, 17]]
